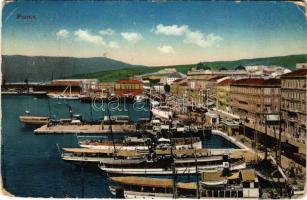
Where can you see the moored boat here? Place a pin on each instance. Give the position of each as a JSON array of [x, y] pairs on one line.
[[81, 155], [133, 143], [34, 120], [162, 166], [163, 112], [216, 183], [64, 95]]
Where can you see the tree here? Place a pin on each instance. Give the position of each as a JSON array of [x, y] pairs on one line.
[[202, 66], [167, 88], [240, 67]]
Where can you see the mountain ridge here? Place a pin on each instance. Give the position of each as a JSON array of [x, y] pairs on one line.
[[17, 68]]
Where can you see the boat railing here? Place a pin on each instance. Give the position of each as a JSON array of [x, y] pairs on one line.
[[236, 163]]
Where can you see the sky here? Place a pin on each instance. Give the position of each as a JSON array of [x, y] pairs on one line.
[[154, 33]]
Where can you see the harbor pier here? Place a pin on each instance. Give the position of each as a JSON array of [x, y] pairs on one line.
[[85, 129]]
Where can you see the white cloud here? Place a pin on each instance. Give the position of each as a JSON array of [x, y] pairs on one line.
[[107, 31], [190, 37], [198, 38], [114, 45], [132, 37], [62, 33], [85, 35], [166, 49], [171, 30]]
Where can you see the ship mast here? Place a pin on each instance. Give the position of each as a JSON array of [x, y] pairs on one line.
[[195, 156], [173, 164], [110, 127]]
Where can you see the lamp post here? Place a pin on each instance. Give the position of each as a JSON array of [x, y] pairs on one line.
[[207, 102]]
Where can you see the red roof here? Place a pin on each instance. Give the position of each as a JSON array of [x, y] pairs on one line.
[[129, 81], [297, 73], [226, 82], [257, 82]]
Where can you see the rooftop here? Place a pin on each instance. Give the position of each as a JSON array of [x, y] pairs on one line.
[[144, 181], [66, 83], [213, 176], [182, 81], [257, 82], [248, 175], [129, 81], [215, 78], [226, 82], [215, 72], [178, 80], [297, 73]]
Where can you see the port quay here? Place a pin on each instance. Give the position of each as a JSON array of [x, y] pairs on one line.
[[195, 138]]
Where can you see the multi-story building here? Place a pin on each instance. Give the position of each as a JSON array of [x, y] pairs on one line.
[[198, 80], [128, 87], [88, 85], [211, 85], [196, 77], [179, 87], [105, 88], [223, 95], [251, 97], [293, 103]]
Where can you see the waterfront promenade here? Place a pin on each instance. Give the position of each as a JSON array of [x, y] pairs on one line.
[[274, 133]]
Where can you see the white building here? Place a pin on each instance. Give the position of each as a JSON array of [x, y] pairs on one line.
[[301, 65], [170, 78]]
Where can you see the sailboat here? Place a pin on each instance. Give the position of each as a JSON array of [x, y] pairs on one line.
[[68, 96]]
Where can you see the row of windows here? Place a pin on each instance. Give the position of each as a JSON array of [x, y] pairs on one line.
[[294, 95], [294, 83], [294, 106], [253, 91], [128, 86]]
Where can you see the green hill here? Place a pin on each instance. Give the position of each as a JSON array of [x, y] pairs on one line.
[[17, 68], [284, 61]]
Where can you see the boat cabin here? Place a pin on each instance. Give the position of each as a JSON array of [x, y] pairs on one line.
[[225, 184]]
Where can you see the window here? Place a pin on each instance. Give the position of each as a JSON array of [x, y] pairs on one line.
[[245, 184], [193, 85]]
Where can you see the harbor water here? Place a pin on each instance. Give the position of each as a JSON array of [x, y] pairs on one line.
[[31, 164]]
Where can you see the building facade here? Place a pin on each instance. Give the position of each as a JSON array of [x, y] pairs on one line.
[[293, 103], [198, 81], [128, 87], [176, 86], [223, 95], [252, 97], [211, 85]]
